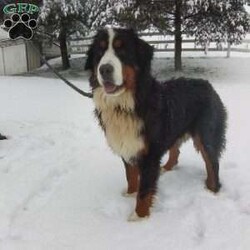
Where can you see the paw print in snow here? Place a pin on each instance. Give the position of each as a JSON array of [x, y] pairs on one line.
[[20, 26]]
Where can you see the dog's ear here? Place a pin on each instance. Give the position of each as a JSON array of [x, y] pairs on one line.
[[89, 65], [145, 53]]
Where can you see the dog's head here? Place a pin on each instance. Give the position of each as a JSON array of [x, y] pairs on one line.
[[116, 58]]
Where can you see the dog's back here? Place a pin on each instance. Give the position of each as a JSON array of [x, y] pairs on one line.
[[193, 106]]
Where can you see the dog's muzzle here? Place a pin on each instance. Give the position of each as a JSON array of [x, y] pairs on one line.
[[107, 74], [106, 71]]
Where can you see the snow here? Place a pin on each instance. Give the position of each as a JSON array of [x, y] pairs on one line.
[[3, 35], [61, 185], [247, 8]]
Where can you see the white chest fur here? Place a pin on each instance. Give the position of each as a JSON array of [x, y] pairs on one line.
[[123, 127]]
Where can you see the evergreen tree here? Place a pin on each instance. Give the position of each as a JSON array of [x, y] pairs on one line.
[[62, 18], [97, 13], [224, 22], [207, 20]]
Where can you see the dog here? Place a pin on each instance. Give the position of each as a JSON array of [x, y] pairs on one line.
[[143, 118]]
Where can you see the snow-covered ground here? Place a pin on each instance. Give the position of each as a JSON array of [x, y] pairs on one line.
[[60, 185]]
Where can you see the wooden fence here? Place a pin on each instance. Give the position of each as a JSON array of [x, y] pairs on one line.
[[163, 43]]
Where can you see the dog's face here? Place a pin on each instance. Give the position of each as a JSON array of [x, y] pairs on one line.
[[115, 58]]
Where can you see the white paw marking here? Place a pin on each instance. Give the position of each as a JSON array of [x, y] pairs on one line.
[[126, 194], [162, 170], [134, 217]]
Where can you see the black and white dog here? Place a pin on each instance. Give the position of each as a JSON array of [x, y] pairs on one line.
[[143, 118]]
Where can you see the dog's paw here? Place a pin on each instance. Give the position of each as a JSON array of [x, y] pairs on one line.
[[129, 195], [162, 170], [134, 217]]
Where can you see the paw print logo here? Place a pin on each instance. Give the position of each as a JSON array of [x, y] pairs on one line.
[[20, 26]]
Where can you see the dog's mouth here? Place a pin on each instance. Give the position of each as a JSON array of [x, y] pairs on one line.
[[111, 88]]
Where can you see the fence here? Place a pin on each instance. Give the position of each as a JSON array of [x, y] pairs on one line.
[[164, 43]]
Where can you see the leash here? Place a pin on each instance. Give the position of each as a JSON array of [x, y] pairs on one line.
[[81, 92]]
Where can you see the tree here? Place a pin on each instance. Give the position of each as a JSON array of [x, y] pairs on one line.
[[207, 20], [226, 22], [97, 13], [62, 18]]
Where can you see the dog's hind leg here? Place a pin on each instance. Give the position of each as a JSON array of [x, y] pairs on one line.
[[211, 162], [209, 137], [172, 159]]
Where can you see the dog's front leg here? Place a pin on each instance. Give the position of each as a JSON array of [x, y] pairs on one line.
[[132, 175], [149, 173]]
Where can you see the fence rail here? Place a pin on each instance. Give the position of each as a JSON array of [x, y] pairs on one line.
[[162, 44]]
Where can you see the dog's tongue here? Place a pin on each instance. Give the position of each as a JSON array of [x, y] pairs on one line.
[[109, 87]]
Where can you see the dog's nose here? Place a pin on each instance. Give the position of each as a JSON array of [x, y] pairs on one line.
[[106, 70]]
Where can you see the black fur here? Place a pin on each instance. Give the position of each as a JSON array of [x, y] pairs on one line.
[[168, 110], [2, 137], [175, 108]]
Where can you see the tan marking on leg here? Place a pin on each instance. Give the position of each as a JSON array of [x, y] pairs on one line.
[[211, 179], [132, 174], [174, 153], [173, 158], [143, 205]]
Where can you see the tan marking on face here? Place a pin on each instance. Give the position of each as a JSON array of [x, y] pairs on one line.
[[122, 129], [129, 76]]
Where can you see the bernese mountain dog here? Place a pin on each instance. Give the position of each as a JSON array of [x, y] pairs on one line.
[[143, 118]]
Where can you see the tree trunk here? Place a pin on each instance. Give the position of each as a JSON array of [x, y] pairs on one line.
[[64, 50], [178, 36], [206, 48], [228, 49]]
